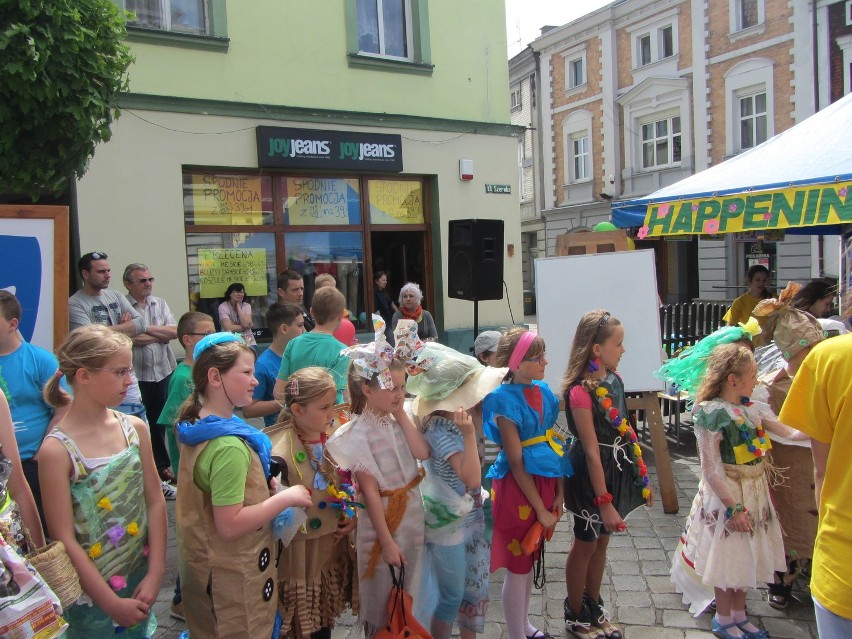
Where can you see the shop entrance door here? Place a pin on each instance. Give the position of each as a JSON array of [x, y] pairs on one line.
[[402, 255]]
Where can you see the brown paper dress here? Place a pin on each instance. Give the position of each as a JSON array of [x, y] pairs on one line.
[[228, 587], [316, 577]]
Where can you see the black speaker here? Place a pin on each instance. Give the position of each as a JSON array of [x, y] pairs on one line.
[[475, 260]]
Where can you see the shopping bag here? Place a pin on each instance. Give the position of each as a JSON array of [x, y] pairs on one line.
[[401, 622], [532, 540]]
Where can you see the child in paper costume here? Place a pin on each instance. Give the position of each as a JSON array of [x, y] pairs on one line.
[[449, 408], [794, 333], [224, 508], [381, 446], [610, 477], [519, 416], [316, 570], [732, 540], [101, 490]]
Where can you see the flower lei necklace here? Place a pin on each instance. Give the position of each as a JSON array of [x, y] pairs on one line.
[[755, 446], [640, 469]]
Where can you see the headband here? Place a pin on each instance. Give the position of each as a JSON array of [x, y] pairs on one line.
[[374, 358], [211, 340], [521, 349]]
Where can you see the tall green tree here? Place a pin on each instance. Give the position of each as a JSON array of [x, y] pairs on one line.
[[62, 65]]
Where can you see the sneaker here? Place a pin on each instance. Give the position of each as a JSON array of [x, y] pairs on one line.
[[581, 626], [169, 491], [601, 618], [176, 611]]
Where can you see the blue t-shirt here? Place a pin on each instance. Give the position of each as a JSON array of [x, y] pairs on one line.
[[533, 409], [23, 374], [266, 372]]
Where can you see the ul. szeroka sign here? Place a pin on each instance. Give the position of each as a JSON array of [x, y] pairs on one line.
[[280, 148], [809, 205]]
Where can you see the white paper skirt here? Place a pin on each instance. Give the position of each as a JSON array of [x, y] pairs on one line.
[[712, 556]]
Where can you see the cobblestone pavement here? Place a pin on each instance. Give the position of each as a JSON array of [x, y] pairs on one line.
[[636, 588]]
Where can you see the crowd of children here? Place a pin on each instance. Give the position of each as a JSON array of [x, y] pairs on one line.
[[279, 530]]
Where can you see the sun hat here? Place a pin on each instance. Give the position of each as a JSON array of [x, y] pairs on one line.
[[486, 341], [792, 330], [472, 391]]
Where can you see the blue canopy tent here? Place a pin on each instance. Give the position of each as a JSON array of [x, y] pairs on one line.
[[797, 181]]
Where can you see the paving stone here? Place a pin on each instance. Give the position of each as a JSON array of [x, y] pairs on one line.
[[683, 619], [625, 568], [788, 628], [647, 542], [630, 582], [655, 567], [615, 555], [660, 584], [667, 601], [628, 615], [633, 599], [652, 632], [698, 634]]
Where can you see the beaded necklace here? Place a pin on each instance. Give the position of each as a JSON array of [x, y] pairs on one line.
[[640, 469]]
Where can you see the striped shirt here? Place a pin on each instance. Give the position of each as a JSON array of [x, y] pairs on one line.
[[153, 362]]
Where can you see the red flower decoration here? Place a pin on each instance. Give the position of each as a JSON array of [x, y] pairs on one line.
[[606, 402], [758, 453], [613, 413]]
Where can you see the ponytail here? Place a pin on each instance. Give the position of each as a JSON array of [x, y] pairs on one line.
[[191, 407], [53, 392]]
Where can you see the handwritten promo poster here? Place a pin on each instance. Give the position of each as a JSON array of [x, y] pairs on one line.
[[218, 268], [396, 202], [322, 201], [229, 200]]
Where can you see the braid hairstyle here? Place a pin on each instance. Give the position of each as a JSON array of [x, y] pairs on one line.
[[506, 346], [724, 360], [595, 327], [219, 356], [356, 384], [87, 347]]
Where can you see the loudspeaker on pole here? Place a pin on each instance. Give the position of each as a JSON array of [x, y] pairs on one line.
[[475, 260]]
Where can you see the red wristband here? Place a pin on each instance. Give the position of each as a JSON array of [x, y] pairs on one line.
[[600, 500]]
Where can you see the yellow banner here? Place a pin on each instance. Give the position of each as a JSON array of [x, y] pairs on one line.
[[220, 199], [396, 202], [219, 268], [810, 205]]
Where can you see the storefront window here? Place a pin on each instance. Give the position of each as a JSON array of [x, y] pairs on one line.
[[227, 200], [310, 201], [396, 202], [217, 260], [339, 253]]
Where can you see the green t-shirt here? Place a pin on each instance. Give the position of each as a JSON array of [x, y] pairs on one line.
[[180, 387], [221, 470], [316, 349]]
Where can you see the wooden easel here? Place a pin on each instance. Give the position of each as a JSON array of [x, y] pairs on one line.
[[649, 403]]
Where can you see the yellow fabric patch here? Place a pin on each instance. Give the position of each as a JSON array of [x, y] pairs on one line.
[[524, 512], [742, 455], [514, 547]]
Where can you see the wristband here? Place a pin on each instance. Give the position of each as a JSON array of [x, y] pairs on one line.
[[730, 511], [600, 500]]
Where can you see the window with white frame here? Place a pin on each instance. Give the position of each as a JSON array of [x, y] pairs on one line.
[[752, 120], [575, 69], [521, 155], [746, 14], [848, 13], [384, 27], [181, 16], [661, 143], [659, 43], [515, 99], [643, 44], [580, 158]]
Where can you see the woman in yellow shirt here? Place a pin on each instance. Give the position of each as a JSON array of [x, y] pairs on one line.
[[757, 278]]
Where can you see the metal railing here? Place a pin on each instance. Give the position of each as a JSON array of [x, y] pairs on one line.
[[686, 323]]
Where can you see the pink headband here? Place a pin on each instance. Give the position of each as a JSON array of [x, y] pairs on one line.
[[520, 351]]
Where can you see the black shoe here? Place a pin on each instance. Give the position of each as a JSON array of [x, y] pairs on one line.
[[580, 626], [541, 634], [601, 618], [779, 596]]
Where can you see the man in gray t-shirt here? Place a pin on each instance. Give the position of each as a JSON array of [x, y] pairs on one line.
[[96, 304]]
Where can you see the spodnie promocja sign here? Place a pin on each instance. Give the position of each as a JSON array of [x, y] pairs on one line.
[[284, 148]]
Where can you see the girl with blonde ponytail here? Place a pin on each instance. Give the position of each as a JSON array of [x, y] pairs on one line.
[[101, 491]]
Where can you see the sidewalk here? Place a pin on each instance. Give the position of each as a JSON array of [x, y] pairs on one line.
[[636, 587]]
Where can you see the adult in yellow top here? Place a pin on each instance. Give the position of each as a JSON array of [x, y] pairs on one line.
[[820, 405], [757, 278]]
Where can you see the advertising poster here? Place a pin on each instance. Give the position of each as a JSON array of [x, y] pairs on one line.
[[228, 200], [396, 202], [220, 267], [321, 201]]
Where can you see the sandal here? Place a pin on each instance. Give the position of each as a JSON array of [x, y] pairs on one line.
[[722, 631], [601, 618], [581, 625], [540, 634], [760, 633]]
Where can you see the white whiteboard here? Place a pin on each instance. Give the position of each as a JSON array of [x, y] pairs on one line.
[[625, 284]]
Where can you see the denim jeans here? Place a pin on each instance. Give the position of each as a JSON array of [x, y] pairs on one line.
[[830, 625], [137, 410]]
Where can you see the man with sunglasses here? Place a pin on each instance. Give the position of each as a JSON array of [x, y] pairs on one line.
[[153, 360], [96, 303]]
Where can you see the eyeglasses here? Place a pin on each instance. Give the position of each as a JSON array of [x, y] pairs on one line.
[[118, 372], [538, 359], [201, 334], [97, 256], [601, 324], [145, 280]]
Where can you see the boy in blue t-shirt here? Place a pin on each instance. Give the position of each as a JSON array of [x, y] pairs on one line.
[[24, 370], [285, 321]]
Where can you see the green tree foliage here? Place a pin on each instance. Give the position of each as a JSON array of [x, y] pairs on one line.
[[62, 65]]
